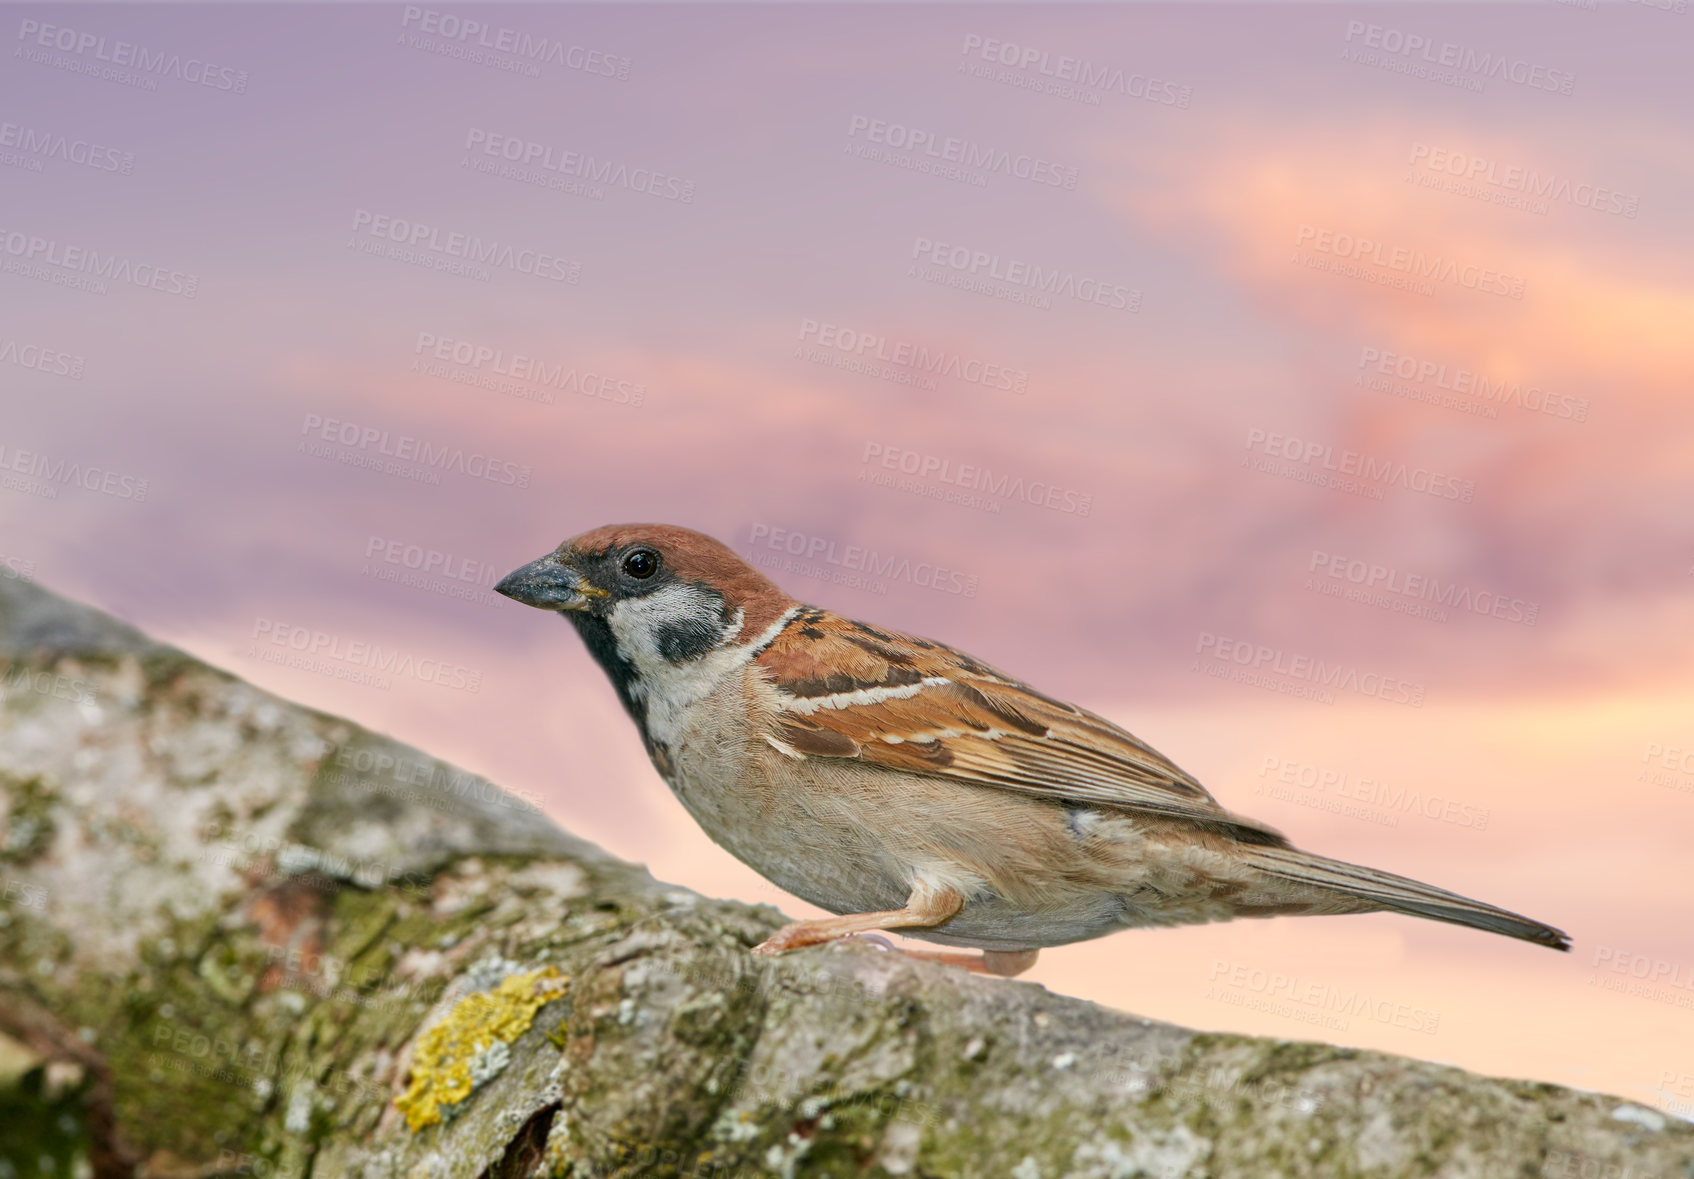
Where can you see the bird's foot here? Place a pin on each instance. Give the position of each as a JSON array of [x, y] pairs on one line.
[[926, 907], [795, 936], [1000, 963]]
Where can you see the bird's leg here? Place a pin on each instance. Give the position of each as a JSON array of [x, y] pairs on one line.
[[924, 908], [1003, 963]]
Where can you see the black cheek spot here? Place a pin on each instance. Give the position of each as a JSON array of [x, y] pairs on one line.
[[680, 642]]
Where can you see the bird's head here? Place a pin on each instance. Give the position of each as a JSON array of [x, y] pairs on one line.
[[650, 600]]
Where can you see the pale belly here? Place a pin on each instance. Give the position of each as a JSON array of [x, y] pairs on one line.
[[1034, 873]]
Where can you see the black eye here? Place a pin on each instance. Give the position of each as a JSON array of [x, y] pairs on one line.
[[641, 563]]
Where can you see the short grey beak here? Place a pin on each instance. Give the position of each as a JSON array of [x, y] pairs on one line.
[[546, 585]]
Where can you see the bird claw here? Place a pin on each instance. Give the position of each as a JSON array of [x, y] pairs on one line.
[[800, 935], [789, 938]]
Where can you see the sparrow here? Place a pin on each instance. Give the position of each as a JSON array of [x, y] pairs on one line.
[[905, 785]]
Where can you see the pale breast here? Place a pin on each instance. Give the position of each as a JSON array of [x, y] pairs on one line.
[[852, 838], [774, 816]]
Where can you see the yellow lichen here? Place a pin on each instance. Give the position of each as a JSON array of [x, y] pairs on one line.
[[442, 1059]]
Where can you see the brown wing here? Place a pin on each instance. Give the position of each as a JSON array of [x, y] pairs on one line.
[[846, 689]]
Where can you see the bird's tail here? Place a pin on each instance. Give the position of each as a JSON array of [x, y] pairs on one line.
[[1397, 894]]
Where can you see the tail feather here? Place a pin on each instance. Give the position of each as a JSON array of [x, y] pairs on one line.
[[1398, 894]]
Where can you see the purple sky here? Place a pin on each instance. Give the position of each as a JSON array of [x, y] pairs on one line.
[[1264, 341]]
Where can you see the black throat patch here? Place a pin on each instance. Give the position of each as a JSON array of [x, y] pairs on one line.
[[597, 637]]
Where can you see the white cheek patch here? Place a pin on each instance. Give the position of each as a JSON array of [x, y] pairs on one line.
[[637, 623], [669, 688]]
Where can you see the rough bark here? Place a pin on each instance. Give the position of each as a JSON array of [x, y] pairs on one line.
[[234, 931]]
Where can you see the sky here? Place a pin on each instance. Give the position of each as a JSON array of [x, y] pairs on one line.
[[1304, 387]]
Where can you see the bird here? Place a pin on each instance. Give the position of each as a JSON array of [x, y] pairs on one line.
[[904, 785]]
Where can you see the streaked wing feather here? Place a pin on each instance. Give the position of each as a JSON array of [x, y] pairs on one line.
[[892, 700]]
